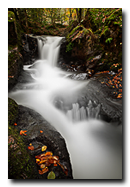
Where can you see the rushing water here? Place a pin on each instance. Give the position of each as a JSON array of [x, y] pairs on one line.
[[95, 147]]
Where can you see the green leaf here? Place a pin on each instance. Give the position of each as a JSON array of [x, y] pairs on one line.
[[51, 175], [108, 40]]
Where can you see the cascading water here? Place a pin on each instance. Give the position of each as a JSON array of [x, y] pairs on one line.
[[94, 146]]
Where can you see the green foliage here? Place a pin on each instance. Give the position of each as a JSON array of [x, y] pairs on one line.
[[108, 40], [11, 16], [72, 32], [69, 47], [104, 30]]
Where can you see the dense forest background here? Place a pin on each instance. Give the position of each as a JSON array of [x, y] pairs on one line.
[[93, 37]]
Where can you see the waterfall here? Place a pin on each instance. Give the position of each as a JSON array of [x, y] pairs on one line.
[[40, 45], [80, 114], [49, 49], [95, 147]]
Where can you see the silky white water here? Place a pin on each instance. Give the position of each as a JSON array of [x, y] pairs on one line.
[[95, 147]]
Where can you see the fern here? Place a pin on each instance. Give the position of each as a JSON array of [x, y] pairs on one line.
[[108, 40]]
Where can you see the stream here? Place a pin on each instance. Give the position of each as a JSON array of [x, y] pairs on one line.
[[95, 146]]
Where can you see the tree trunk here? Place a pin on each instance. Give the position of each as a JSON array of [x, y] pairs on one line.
[[70, 18], [79, 14], [26, 20]]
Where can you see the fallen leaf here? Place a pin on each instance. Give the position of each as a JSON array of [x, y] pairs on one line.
[[31, 148], [41, 162], [55, 164], [42, 166], [23, 133], [116, 85], [44, 148], [119, 96], [48, 153], [64, 168], [43, 171], [51, 175], [37, 160]]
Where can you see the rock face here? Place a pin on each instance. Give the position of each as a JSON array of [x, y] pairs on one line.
[[15, 65], [111, 110], [30, 48], [33, 123]]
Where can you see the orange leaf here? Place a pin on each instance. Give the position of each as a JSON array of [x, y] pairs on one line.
[[15, 124], [119, 96], [116, 85], [31, 148], [48, 153], [55, 164], [41, 162], [44, 170], [23, 133]]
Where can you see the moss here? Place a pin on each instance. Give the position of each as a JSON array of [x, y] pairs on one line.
[[20, 164], [69, 47], [12, 111]]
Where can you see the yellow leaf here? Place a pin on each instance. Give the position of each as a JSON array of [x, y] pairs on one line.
[[37, 160], [44, 148]]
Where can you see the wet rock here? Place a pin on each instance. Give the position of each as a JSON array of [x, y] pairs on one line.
[[80, 76], [15, 64], [33, 123], [111, 110], [30, 48]]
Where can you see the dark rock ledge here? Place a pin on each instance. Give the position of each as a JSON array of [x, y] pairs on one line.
[[33, 123]]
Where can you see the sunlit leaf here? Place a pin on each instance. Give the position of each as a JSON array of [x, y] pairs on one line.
[[44, 148], [37, 160]]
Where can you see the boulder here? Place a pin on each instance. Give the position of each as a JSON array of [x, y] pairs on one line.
[[40, 133]]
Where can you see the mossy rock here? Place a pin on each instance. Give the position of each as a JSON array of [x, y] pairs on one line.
[[20, 163], [12, 111]]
